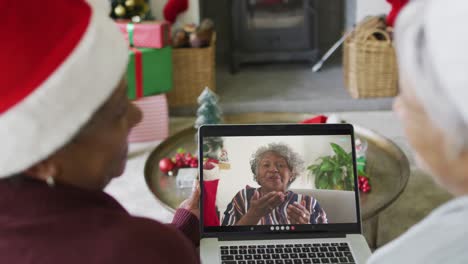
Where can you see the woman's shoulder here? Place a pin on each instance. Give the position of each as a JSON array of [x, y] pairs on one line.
[[146, 238], [439, 238]]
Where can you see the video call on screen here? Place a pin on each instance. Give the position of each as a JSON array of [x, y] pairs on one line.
[[278, 180]]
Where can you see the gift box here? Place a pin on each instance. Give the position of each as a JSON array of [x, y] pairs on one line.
[[155, 122], [149, 72], [153, 34]]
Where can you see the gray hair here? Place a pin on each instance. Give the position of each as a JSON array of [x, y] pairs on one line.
[[294, 161]]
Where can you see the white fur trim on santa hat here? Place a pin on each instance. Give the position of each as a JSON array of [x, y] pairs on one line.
[[52, 115], [430, 39]]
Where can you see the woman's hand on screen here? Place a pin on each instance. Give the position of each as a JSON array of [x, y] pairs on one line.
[[298, 214], [264, 205]]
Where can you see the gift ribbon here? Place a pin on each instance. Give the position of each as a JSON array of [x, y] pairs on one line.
[[130, 29], [138, 72]]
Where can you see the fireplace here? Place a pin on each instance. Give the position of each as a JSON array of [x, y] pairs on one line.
[[273, 30]]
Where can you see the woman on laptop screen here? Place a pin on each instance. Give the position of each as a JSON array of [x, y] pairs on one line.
[[274, 168]]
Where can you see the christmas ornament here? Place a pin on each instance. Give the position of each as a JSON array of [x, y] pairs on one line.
[[130, 4], [136, 19], [166, 165], [136, 10], [119, 11], [181, 159]]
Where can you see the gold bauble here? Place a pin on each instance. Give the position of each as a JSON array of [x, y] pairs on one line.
[[130, 3], [119, 11]]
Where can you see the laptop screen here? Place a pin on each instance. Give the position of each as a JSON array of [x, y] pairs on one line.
[[278, 178]]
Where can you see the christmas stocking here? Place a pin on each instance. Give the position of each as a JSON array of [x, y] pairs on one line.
[[173, 8], [397, 5], [210, 217]]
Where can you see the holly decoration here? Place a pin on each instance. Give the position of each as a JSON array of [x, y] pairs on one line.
[[181, 159], [363, 184], [363, 179], [136, 10]]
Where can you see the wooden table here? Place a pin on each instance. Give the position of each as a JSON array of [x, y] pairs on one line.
[[387, 166]]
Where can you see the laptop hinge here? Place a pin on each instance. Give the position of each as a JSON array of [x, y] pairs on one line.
[[281, 236]]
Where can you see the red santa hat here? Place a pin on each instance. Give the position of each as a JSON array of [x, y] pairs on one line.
[[60, 61]]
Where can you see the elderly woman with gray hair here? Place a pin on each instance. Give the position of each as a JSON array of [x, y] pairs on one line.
[[431, 39], [274, 167]]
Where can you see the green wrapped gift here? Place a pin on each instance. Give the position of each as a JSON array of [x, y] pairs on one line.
[[149, 72]]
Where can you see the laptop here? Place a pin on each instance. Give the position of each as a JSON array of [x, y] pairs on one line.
[[280, 194]]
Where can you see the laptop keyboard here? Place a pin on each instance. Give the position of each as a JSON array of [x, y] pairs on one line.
[[287, 254]]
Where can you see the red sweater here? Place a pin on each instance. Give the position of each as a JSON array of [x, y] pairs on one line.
[[39, 224]]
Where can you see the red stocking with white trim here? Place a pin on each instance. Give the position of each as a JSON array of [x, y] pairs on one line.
[[173, 8]]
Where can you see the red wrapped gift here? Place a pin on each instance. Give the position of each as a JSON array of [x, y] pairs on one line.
[[155, 122], [153, 34]]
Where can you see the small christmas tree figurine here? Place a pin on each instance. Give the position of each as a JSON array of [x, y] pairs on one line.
[[209, 113]]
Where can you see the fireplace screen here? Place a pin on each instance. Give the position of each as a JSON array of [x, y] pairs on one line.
[[275, 14], [273, 30]]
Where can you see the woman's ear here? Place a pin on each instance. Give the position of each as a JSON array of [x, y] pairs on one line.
[[43, 170]]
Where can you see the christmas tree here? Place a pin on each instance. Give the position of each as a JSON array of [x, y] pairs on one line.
[[136, 10], [209, 113]]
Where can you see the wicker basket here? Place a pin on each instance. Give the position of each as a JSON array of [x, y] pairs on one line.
[[369, 62], [194, 69]]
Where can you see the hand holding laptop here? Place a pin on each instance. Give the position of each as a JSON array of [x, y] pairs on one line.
[[192, 203]]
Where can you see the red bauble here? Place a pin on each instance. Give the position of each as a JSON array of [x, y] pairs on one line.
[[179, 164], [166, 165], [194, 162]]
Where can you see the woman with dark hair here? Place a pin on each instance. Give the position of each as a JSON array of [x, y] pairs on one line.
[[274, 167], [64, 122]]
